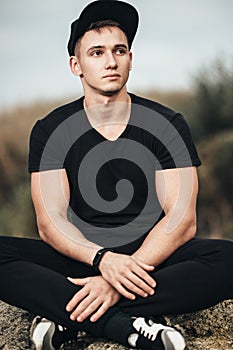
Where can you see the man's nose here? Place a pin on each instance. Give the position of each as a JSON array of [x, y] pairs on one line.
[[110, 61]]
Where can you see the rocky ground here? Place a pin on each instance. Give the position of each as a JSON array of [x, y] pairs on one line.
[[210, 329]]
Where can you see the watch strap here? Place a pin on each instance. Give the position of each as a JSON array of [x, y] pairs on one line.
[[99, 255]]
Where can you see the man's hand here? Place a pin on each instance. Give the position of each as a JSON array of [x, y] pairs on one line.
[[95, 298], [127, 274]]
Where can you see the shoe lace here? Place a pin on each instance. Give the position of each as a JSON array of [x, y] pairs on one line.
[[65, 335], [61, 328], [147, 328]]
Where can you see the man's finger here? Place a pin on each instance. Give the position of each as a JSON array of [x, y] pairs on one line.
[[137, 285], [79, 281], [144, 276], [100, 312], [118, 286], [134, 286], [143, 265], [83, 311], [80, 295]]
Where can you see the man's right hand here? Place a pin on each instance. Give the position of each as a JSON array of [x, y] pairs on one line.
[[127, 275], [93, 300]]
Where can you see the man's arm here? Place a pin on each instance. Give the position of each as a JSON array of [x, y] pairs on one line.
[[177, 191], [50, 194]]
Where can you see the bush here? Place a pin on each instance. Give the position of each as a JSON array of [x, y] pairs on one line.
[[212, 106]]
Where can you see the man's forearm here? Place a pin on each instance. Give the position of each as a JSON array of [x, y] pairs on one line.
[[161, 242], [66, 238], [177, 192]]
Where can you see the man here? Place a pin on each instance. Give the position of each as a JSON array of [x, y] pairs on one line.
[[112, 259]]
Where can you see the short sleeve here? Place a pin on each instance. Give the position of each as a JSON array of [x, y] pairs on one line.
[[43, 154], [177, 149]]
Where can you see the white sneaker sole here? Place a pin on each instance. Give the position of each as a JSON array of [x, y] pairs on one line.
[[172, 340], [42, 333]]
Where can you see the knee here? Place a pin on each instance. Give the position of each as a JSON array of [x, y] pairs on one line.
[[6, 247], [224, 262], [226, 251], [3, 242], [217, 251]]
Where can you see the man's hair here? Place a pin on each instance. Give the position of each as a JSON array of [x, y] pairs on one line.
[[97, 26]]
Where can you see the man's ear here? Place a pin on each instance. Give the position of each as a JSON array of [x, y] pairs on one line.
[[131, 60], [75, 66]]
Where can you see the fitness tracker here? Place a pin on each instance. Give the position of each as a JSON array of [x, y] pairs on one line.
[[98, 257]]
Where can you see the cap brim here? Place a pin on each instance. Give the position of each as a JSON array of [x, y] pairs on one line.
[[121, 12]]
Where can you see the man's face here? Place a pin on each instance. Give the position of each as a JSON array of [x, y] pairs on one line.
[[104, 61]]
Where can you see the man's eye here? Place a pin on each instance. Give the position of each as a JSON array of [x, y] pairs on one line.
[[120, 51], [96, 53]]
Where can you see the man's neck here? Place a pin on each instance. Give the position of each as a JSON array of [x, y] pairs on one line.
[[93, 99], [113, 109]]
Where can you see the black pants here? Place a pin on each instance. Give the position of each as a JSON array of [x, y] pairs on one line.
[[33, 277]]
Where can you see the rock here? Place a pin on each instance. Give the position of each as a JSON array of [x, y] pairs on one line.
[[210, 329], [14, 328]]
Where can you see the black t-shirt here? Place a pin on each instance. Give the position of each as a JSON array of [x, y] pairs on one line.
[[113, 198]]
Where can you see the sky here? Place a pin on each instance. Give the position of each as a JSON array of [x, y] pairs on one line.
[[174, 40]]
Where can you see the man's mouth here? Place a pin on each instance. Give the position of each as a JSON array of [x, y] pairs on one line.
[[111, 76]]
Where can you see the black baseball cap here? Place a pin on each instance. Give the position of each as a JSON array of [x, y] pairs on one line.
[[121, 12]]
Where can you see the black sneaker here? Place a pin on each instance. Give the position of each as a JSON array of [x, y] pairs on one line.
[[46, 335], [143, 333], [147, 334]]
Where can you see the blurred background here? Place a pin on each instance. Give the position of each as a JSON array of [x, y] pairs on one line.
[[183, 57]]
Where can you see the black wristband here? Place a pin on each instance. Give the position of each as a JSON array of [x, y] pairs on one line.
[[98, 257]]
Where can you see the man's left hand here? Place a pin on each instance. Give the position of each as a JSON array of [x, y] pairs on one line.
[[95, 298]]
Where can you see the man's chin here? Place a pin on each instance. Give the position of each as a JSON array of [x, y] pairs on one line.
[[111, 92]]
